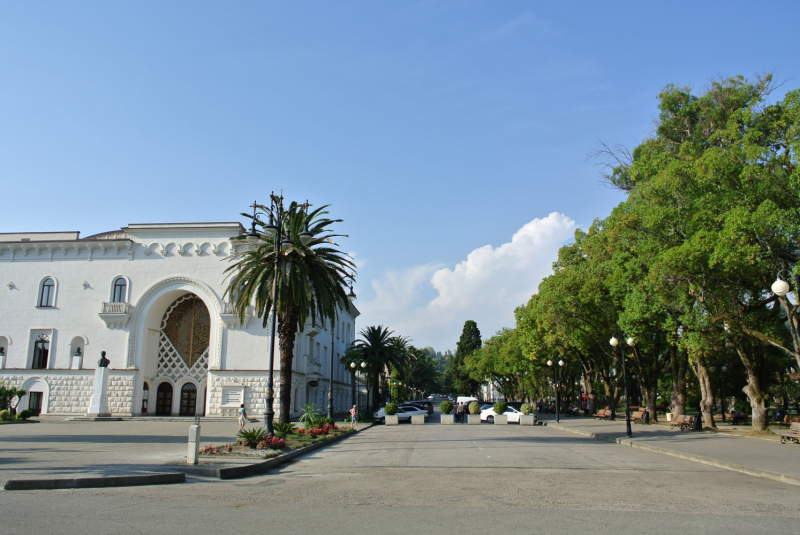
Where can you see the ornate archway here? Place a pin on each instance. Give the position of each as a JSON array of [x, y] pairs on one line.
[[184, 339]]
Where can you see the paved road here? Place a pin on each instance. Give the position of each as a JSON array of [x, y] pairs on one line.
[[761, 453], [434, 479]]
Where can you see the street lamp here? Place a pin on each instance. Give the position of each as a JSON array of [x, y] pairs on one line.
[[278, 231], [555, 384], [720, 382], [614, 343]]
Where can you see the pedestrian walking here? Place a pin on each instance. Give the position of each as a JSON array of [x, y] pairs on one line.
[[242, 416], [354, 418]]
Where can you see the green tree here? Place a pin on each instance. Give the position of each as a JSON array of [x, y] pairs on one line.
[[7, 393], [381, 352], [468, 342], [718, 185], [311, 282]]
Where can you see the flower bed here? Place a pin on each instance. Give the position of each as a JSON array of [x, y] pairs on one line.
[[272, 446]]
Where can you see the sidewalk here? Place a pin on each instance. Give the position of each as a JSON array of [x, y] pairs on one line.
[[762, 457]]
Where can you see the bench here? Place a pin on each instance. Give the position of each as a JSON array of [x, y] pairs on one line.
[[638, 417], [683, 422], [604, 414], [738, 420], [791, 435]]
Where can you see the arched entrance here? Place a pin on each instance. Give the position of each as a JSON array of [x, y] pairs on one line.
[[162, 347], [164, 400], [188, 400], [184, 340]]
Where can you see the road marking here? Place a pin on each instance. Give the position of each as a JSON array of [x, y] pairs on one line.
[[488, 457]]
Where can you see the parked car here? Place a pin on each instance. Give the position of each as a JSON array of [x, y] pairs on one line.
[[413, 409], [422, 404], [489, 414], [404, 413]]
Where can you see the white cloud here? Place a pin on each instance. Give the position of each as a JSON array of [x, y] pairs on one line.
[[486, 287]]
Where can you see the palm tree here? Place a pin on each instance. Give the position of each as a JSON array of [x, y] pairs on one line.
[[310, 283], [380, 350]]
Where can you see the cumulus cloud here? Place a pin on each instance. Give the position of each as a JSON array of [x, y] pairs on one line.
[[486, 287]]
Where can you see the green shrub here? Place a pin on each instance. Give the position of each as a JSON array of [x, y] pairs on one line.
[[743, 407], [282, 430], [309, 415], [24, 415], [5, 415], [500, 407], [253, 436], [446, 407], [474, 408], [390, 409], [526, 409]]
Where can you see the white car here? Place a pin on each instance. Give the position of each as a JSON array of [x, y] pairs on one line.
[[404, 413], [489, 414]]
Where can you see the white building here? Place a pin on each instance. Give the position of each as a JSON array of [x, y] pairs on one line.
[[151, 296]]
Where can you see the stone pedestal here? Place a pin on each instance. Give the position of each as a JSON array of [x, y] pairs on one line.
[[447, 419], [98, 406], [501, 419], [77, 363], [417, 419], [474, 419], [391, 419], [527, 419], [194, 444]]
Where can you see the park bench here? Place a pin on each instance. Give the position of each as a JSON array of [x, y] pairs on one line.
[[682, 422], [738, 419], [638, 417], [604, 414], [792, 434]]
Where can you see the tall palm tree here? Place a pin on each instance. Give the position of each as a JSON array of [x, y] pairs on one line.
[[311, 279], [381, 351]]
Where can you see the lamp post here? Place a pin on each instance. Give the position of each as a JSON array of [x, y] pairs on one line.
[[555, 384], [780, 288], [275, 230], [614, 343], [720, 382], [353, 372]]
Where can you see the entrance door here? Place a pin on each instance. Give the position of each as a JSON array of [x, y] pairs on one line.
[[145, 397], [164, 400], [35, 403], [188, 400]]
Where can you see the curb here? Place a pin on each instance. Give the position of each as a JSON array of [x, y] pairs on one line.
[[237, 472], [94, 482], [734, 467]]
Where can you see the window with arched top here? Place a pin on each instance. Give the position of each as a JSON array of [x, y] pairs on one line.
[[47, 293], [120, 291]]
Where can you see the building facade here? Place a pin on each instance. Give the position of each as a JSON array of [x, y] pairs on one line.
[[151, 297]]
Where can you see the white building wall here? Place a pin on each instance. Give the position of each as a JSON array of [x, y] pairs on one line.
[[160, 263]]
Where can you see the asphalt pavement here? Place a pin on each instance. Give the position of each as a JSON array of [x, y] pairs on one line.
[[435, 479]]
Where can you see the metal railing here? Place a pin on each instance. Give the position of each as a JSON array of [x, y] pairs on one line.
[[116, 308]]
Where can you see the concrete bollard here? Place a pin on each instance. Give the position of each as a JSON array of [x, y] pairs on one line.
[[194, 443]]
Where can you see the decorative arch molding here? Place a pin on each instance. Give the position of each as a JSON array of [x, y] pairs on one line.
[[201, 290], [7, 337], [81, 336]]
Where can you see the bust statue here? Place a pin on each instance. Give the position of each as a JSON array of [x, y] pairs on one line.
[[103, 362]]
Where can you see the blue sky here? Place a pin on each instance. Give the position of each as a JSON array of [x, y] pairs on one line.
[[437, 130]]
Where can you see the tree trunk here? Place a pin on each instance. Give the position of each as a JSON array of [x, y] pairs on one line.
[[651, 398], [755, 391], [376, 378], [707, 391], [680, 362], [287, 331]]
